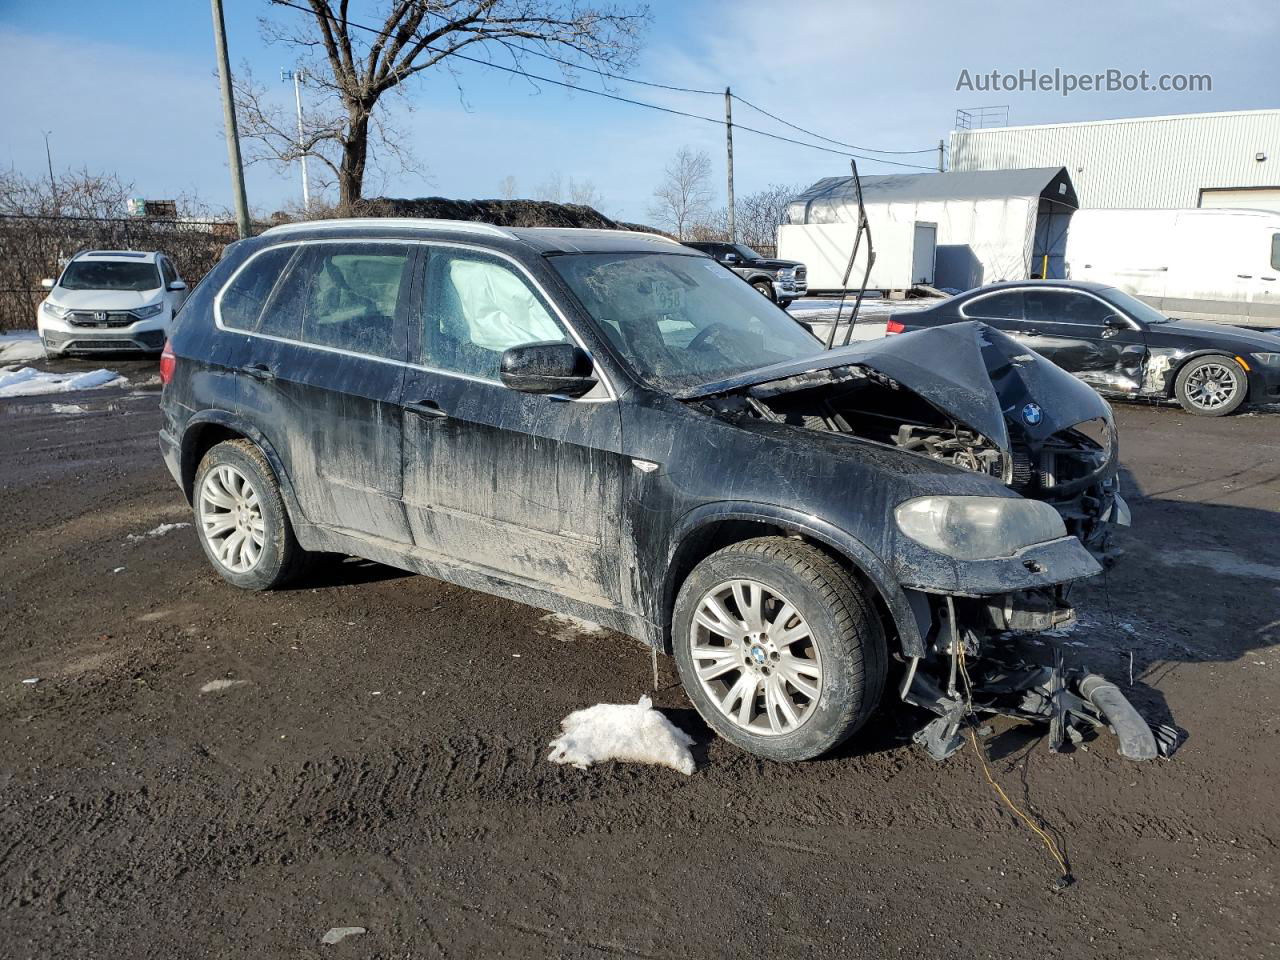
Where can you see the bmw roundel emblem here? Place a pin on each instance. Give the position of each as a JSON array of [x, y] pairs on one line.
[[1032, 414]]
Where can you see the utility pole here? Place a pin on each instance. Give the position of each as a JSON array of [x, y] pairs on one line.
[[728, 134], [229, 120], [296, 77], [942, 154]]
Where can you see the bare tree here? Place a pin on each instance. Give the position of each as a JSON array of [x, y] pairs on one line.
[[552, 188], [684, 196], [76, 193], [585, 193], [507, 188], [759, 214], [350, 69]]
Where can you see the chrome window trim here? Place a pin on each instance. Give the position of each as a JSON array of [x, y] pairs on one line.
[[555, 307]]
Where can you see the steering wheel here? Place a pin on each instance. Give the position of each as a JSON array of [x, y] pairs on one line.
[[705, 333]]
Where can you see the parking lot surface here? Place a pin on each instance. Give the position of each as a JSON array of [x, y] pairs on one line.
[[199, 771]]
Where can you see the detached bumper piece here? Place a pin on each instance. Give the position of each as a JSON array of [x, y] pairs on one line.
[[1008, 678]]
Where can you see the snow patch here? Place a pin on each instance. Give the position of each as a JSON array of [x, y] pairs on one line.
[[17, 346], [68, 408], [159, 531], [29, 382], [217, 686], [338, 934], [566, 629], [614, 731]]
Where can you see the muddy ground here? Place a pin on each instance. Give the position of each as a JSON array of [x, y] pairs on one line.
[[379, 760]]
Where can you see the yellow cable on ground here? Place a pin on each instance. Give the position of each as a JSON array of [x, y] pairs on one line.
[[1036, 828]]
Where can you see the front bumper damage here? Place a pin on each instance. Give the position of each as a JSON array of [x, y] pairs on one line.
[[981, 660]]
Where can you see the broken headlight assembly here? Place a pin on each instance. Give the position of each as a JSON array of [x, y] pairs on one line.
[[978, 528]]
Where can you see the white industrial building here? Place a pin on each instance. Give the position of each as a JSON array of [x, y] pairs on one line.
[[952, 230], [1175, 162]]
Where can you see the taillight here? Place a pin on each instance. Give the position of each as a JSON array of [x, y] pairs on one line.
[[893, 326], [168, 363]]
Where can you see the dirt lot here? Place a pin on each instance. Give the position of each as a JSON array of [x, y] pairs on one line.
[[379, 760]]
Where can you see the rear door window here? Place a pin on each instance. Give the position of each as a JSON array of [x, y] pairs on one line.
[[1275, 251], [241, 301], [344, 296]]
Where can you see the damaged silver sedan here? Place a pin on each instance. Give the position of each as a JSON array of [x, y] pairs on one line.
[[611, 426]]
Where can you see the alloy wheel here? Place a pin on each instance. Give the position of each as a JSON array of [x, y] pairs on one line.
[[1211, 386], [755, 657], [231, 518]]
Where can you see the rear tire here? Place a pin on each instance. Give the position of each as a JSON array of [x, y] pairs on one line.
[[765, 287], [1212, 386], [801, 662], [241, 520]]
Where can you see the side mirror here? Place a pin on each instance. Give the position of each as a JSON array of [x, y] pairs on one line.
[[48, 283], [555, 367], [1115, 322], [178, 285], [730, 258]]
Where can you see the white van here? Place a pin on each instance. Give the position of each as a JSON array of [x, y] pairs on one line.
[[1221, 265]]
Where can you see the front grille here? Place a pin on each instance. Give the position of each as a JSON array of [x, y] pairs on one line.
[[102, 345], [103, 318], [801, 273]]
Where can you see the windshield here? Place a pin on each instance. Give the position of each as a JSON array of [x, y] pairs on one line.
[[682, 321], [1142, 312], [109, 275], [746, 253]]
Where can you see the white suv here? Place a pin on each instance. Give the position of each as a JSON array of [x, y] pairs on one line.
[[108, 300]]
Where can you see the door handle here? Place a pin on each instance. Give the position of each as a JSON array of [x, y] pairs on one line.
[[260, 372], [426, 408], [1245, 276], [1031, 333]]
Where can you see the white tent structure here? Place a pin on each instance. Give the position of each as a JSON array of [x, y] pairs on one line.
[[990, 225]]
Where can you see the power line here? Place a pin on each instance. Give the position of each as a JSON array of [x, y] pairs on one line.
[[818, 136], [608, 96], [605, 73]]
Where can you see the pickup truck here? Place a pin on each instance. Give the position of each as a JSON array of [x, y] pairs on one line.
[[780, 280]]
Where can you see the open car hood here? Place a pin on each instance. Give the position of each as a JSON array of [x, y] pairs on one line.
[[968, 371]]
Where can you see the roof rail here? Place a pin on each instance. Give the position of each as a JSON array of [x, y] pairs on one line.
[[460, 226]]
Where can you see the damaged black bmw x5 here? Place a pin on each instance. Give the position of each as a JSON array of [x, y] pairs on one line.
[[612, 426]]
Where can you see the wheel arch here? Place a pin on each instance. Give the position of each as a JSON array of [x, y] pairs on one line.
[[708, 528], [1171, 377], [207, 429]]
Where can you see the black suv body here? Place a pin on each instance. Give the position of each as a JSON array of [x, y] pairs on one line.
[[782, 281], [607, 425]]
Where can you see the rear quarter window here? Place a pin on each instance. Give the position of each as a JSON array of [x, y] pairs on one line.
[[242, 300], [1275, 251]]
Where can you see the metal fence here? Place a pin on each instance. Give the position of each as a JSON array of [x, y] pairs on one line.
[[32, 248]]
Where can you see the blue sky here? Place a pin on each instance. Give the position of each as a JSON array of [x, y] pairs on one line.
[[129, 87]]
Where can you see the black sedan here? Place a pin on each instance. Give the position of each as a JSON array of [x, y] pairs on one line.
[[1119, 345]]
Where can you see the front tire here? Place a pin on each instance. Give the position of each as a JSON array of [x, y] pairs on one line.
[[778, 648], [765, 287], [1211, 386], [241, 520]]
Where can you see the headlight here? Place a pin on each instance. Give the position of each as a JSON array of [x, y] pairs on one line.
[[55, 310], [1268, 359], [978, 528], [142, 313], [787, 273]]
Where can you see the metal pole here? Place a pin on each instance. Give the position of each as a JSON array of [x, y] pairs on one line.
[[302, 151], [229, 120], [53, 186], [728, 142], [942, 152]]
